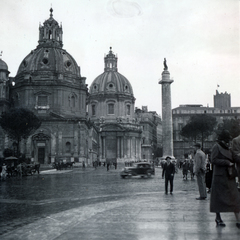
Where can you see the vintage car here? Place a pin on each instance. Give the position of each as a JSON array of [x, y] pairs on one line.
[[141, 169]]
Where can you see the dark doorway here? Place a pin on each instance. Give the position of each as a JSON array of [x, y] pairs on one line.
[[41, 155]]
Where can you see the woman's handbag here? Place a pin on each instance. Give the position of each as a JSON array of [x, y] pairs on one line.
[[232, 172]]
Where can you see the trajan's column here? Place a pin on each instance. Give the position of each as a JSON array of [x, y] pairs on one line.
[[167, 131]]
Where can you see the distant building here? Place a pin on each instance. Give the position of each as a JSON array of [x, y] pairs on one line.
[[222, 110], [152, 131], [222, 100]]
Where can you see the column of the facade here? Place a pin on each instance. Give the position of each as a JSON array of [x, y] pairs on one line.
[[46, 151], [53, 147], [122, 152], [139, 149], [118, 147], [75, 141], [129, 147], [133, 148], [104, 147], [60, 143]]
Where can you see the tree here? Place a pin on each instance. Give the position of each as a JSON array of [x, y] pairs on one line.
[[199, 126], [232, 125], [19, 123]]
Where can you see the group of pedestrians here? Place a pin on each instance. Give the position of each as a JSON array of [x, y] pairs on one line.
[[187, 167], [218, 175]]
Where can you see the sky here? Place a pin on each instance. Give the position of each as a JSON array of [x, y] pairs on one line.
[[199, 39]]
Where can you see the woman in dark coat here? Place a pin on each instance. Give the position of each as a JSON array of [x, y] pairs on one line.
[[224, 193]]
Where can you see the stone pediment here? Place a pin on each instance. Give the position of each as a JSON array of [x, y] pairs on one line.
[[57, 115], [42, 92], [112, 127]]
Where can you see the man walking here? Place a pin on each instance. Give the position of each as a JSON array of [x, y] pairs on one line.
[[199, 170], [168, 171]]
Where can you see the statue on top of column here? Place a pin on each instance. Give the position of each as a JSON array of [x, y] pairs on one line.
[[165, 64]]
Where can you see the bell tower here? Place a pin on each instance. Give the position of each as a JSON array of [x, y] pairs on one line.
[[50, 34]]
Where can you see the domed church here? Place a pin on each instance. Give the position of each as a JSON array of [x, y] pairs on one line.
[[78, 124], [111, 108], [49, 83]]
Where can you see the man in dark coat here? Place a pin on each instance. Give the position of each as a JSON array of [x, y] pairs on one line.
[[168, 171]]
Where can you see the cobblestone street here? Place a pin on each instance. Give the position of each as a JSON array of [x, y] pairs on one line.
[[96, 204]]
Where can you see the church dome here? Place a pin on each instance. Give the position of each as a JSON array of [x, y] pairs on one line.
[[111, 81], [3, 65], [49, 58]]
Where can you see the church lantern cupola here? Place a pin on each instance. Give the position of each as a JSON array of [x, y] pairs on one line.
[[50, 34], [110, 62]]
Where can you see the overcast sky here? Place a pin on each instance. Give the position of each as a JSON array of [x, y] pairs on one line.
[[199, 39]]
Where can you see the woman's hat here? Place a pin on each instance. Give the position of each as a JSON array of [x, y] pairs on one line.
[[224, 135]]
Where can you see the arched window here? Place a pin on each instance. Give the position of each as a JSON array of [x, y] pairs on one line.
[[68, 147], [72, 101], [50, 34]]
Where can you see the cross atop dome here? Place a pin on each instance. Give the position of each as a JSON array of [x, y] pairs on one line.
[[51, 10]]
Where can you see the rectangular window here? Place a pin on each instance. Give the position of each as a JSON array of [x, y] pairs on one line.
[[93, 110], [111, 108], [42, 101], [128, 109]]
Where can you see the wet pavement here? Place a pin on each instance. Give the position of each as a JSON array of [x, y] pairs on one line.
[[96, 204]]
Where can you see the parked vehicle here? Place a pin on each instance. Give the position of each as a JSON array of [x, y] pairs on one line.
[[142, 169]]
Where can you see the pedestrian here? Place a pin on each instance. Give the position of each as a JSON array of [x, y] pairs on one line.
[[108, 165], [208, 176], [185, 166], [168, 171], [4, 172], [199, 171], [236, 150], [191, 169], [225, 196]]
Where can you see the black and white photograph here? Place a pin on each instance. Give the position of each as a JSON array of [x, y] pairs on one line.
[[119, 119]]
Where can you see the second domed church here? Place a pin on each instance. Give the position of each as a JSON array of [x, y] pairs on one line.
[[78, 123]]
